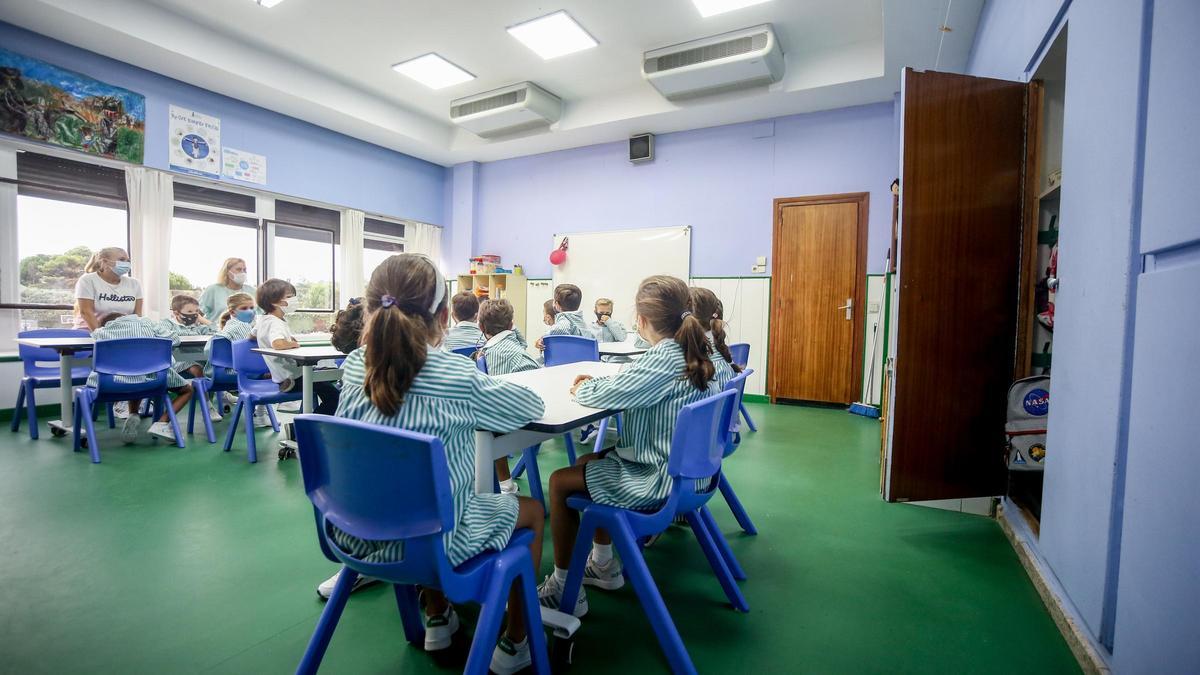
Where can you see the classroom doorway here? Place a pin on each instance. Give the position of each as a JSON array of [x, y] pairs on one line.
[[818, 286]]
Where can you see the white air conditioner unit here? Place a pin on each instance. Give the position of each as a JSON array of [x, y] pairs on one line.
[[517, 107], [741, 58]]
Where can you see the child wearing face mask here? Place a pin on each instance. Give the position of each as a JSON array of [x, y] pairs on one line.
[[235, 323], [277, 299], [186, 319]]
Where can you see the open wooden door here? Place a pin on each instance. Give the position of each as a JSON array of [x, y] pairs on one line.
[[961, 222]]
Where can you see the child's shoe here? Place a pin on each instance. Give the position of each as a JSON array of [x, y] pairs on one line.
[[511, 657], [607, 576], [550, 596]]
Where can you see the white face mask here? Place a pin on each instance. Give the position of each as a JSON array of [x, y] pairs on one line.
[[238, 277], [291, 306]]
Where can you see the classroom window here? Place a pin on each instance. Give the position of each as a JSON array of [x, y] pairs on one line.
[[305, 257], [375, 251], [195, 261]]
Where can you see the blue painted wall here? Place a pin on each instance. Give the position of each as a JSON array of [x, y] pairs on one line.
[[721, 181], [303, 160]]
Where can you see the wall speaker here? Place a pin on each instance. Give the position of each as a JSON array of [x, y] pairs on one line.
[[641, 148]]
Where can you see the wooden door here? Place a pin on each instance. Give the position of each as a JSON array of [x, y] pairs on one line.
[[961, 221], [817, 293]]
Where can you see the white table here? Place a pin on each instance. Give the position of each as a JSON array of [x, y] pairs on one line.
[[307, 357], [562, 414], [626, 347]]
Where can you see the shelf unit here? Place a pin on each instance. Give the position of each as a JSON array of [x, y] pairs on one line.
[[511, 287]]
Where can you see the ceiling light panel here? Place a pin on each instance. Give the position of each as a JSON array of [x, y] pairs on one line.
[[553, 35], [713, 7], [268, 3], [433, 71]]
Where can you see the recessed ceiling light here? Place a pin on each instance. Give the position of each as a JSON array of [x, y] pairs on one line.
[[553, 35], [714, 7], [433, 71], [268, 3]]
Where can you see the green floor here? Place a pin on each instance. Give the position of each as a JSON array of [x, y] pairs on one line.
[[163, 560]]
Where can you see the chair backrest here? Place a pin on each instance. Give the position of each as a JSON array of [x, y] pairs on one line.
[[378, 483], [700, 438], [737, 384], [31, 356], [562, 349], [248, 364], [740, 353], [481, 364], [149, 356], [464, 351], [220, 357]]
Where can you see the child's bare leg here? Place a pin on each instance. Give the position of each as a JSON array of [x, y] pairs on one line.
[[182, 396], [529, 516], [196, 371], [435, 601], [502, 473], [564, 522]]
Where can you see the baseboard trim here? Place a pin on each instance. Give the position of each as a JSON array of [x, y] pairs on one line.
[[1092, 657], [756, 398], [44, 412]]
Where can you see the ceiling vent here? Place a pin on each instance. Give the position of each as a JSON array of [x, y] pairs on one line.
[[508, 110], [742, 58]]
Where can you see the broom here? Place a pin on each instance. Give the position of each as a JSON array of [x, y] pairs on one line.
[[863, 407]]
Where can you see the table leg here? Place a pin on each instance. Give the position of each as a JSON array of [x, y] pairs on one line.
[[485, 470], [66, 421], [306, 403]]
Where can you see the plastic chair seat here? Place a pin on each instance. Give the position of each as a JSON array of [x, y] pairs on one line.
[[254, 388]]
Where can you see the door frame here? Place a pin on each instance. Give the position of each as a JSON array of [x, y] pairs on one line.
[[862, 200]]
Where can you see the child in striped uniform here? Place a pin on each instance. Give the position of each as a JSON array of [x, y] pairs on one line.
[[708, 310], [568, 320], [504, 352], [234, 324], [465, 332], [186, 319], [119, 326], [400, 378], [651, 391]]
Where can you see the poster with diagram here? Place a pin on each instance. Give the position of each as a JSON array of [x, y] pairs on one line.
[[195, 143], [245, 166]]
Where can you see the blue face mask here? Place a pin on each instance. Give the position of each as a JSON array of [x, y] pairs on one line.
[[122, 268], [244, 315]]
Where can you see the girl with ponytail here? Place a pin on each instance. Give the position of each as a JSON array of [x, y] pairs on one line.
[[676, 371], [399, 377], [709, 311]]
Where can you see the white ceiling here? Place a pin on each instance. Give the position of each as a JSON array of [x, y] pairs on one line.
[[329, 61]]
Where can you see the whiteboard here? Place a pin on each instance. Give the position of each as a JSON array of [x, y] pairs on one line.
[[612, 265]]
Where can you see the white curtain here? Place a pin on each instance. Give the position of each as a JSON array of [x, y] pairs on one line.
[[151, 207], [425, 238], [351, 279]]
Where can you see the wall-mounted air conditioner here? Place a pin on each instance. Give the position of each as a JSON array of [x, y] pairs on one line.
[[741, 58], [517, 107]]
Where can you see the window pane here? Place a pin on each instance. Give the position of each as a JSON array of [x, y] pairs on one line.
[[54, 241], [195, 261], [310, 322], [305, 258], [375, 252]]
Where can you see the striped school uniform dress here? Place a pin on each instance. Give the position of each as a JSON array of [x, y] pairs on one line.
[[234, 331], [463, 334], [569, 323], [505, 354], [195, 329], [134, 326], [449, 399], [651, 392]]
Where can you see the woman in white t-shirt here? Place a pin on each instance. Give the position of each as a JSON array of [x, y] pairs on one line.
[[106, 288]]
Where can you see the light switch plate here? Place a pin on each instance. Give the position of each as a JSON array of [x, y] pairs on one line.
[[761, 261]]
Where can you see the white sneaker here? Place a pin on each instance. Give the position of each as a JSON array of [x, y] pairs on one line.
[[607, 576], [261, 419], [440, 629], [214, 414], [163, 429], [326, 588], [121, 410], [130, 428], [509, 487], [509, 658], [550, 596], [288, 407], [228, 400]]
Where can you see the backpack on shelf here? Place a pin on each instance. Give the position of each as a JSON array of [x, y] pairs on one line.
[[1028, 406]]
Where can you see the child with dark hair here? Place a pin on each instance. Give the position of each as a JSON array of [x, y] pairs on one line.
[[347, 327], [277, 299], [651, 391], [548, 312], [710, 312], [465, 332], [186, 319], [504, 352], [400, 378], [568, 320]]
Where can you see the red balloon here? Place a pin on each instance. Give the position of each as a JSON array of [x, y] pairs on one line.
[[558, 256]]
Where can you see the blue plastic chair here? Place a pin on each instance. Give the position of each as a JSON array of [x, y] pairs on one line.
[[738, 384], [465, 351], [255, 388], [128, 356], [223, 379], [741, 356], [384, 484], [42, 376], [697, 446]]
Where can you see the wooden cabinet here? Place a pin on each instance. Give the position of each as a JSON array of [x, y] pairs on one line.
[[511, 287]]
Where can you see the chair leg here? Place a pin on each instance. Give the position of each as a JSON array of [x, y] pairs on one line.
[[31, 410], [746, 414], [18, 409], [735, 505], [518, 469], [112, 415], [410, 613], [652, 602], [529, 459], [166, 403], [722, 544], [319, 641], [233, 424], [78, 422], [533, 619], [620, 424], [600, 435], [251, 444], [200, 398], [274, 420], [487, 628], [197, 391], [570, 449], [716, 561], [85, 411], [579, 556]]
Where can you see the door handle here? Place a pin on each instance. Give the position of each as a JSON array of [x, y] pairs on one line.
[[849, 307]]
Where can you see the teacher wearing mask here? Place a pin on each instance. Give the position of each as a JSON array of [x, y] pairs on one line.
[[105, 288], [231, 279]]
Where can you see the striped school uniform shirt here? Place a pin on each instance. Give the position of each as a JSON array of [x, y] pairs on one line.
[[194, 329], [134, 326], [609, 331], [234, 330], [505, 354], [463, 334], [569, 323], [651, 391], [450, 399]]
